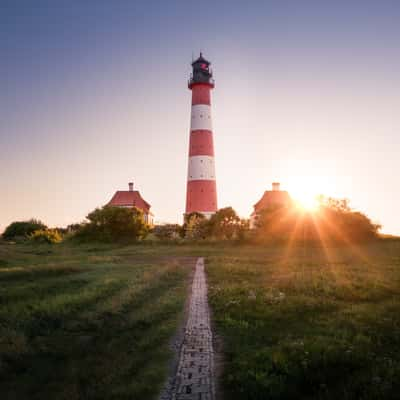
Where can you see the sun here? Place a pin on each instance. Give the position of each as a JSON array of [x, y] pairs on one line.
[[305, 191], [308, 180], [306, 201]]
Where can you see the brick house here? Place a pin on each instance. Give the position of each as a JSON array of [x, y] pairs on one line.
[[132, 198]]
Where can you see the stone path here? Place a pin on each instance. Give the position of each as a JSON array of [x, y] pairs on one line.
[[194, 376]]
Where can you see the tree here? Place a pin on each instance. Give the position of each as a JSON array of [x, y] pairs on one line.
[[196, 226], [224, 224], [114, 224], [23, 228], [339, 222], [243, 229], [341, 205], [334, 221]]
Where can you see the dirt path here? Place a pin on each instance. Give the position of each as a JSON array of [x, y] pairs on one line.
[[194, 375]]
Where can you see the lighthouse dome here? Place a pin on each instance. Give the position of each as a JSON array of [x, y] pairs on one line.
[[201, 72], [200, 60]]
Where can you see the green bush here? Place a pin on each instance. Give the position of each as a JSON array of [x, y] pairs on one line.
[[109, 224], [167, 231], [225, 224], [22, 228], [50, 236]]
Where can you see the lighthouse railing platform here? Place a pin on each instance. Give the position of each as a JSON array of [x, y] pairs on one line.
[[209, 81]]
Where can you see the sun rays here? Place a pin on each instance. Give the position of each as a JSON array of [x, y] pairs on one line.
[[313, 227]]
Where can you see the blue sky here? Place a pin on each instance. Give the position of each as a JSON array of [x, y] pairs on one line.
[[94, 95]]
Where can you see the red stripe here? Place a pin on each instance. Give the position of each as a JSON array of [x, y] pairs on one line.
[[201, 94], [201, 143], [201, 196]]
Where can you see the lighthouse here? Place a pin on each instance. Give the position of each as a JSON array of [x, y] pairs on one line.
[[201, 193]]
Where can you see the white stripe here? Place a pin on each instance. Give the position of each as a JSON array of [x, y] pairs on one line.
[[201, 117], [201, 168]]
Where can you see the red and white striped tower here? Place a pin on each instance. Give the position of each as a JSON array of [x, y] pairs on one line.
[[201, 194]]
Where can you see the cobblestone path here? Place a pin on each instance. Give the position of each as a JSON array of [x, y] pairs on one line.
[[194, 377]]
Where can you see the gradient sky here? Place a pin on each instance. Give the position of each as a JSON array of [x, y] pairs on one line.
[[94, 94]]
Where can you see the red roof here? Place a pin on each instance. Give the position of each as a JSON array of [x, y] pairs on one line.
[[273, 198], [129, 198]]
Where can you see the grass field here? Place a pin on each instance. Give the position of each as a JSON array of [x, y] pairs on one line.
[[94, 321], [310, 324], [87, 322]]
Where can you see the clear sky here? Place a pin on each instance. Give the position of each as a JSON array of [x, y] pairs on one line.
[[94, 94]]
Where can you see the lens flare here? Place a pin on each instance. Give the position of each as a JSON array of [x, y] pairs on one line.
[[306, 191], [306, 202]]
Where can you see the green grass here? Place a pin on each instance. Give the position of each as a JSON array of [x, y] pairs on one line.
[[309, 325], [87, 321], [94, 321]]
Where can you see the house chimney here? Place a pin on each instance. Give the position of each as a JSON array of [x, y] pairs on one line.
[[276, 186], [131, 186]]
